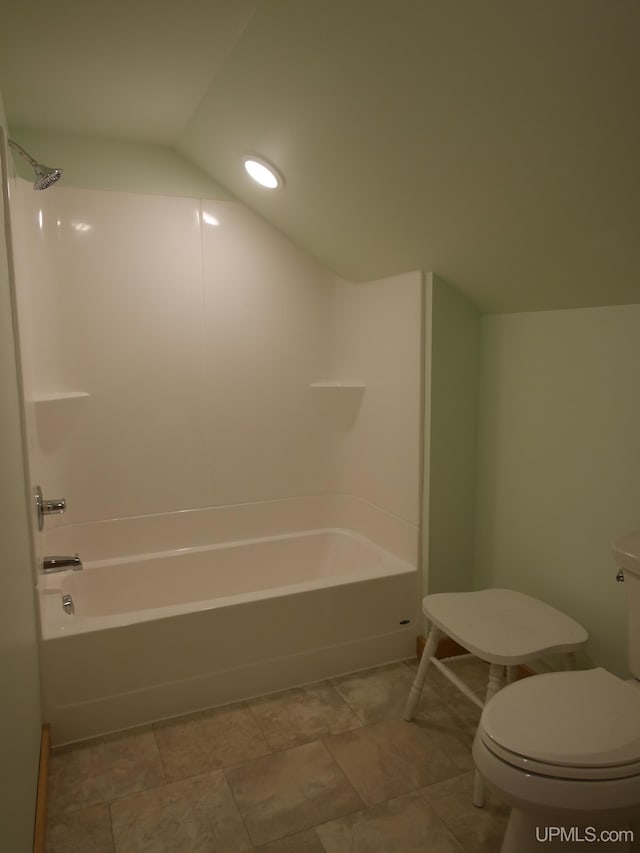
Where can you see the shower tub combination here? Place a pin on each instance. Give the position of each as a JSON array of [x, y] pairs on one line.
[[154, 634]]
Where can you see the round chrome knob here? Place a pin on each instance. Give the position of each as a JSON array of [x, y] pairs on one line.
[[44, 507]]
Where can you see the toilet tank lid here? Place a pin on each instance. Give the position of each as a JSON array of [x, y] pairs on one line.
[[626, 551]]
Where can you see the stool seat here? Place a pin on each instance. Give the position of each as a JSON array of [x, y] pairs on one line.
[[503, 627]]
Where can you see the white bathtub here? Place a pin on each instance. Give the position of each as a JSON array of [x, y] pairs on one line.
[[160, 634]]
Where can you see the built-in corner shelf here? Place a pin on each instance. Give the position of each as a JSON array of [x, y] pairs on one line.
[[344, 386], [59, 396]]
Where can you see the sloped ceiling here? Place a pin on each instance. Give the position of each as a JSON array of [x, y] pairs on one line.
[[495, 142]]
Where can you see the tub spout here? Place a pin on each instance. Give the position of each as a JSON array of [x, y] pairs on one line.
[[61, 564]]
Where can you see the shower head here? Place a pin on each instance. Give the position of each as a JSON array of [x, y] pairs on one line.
[[45, 175]]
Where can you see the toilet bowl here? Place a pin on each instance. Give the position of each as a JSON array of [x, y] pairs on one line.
[[563, 750]]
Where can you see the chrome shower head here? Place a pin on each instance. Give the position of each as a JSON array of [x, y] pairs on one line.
[[45, 175]]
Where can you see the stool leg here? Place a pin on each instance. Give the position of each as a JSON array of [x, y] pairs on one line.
[[512, 674], [418, 683], [478, 791], [569, 660], [496, 680]]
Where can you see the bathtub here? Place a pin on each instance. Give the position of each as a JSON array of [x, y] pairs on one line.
[[163, 633]]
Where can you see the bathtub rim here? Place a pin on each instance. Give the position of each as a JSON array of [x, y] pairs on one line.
[[55, 623]]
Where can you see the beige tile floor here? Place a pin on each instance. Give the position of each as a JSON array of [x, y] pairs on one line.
[[327, 768]]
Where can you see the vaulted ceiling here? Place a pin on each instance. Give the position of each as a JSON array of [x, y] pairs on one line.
[[496, 142]]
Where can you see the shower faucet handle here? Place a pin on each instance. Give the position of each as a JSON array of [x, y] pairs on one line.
[[47, 507]]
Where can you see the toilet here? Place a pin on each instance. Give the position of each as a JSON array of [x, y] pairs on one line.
[[563, 749]]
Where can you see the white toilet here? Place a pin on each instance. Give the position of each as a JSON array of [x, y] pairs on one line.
[[563, 749]]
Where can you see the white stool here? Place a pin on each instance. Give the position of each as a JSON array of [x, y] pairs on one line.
[[500, 626]]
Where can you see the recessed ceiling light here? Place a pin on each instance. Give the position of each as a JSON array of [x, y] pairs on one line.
[[262, 172]]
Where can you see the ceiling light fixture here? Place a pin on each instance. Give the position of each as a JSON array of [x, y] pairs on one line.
[[263, 172]]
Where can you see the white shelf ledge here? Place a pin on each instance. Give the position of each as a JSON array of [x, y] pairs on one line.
[[56, 396], [346, 386]]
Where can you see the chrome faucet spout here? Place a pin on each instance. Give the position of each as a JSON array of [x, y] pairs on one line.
[[61, 564]]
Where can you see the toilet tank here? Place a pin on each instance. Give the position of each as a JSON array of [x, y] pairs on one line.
[[626, 552]]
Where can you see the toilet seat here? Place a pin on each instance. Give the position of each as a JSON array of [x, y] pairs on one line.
[[570, 725]]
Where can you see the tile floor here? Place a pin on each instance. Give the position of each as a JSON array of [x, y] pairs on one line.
[[327, 768]]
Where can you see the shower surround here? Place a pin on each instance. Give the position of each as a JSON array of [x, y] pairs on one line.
[[181, 359]]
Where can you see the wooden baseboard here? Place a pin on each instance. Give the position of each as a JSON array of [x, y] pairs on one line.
[[448, 648], [41, 796]]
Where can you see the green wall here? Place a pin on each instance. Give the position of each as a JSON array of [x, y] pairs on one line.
[[104, 164], [20, 720], [559, 462], [532, 463], [451, 424]]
